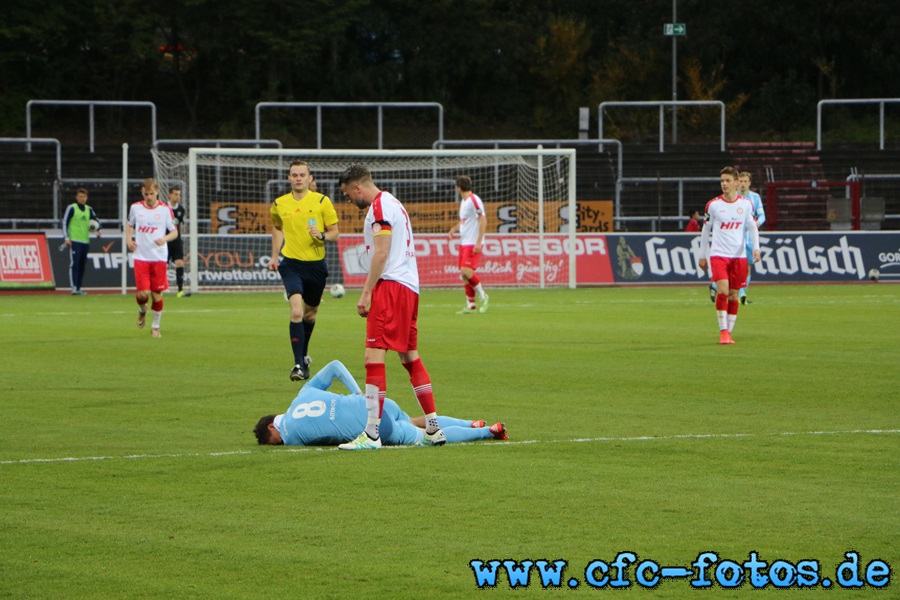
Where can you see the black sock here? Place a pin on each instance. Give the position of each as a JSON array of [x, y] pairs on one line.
[[298, 341], [307, 333], [179, 277]]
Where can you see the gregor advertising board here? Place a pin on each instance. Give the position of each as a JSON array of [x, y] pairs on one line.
[[509, 259]]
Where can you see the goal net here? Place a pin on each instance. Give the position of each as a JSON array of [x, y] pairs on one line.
[[528, 195]]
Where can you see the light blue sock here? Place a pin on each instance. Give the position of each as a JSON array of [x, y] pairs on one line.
[[451, 422], [466, 434]]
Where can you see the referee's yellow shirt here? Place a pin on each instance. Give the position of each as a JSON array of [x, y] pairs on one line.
[[296, 216]]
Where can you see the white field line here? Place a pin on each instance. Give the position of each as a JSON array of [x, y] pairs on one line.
[[689, 436]]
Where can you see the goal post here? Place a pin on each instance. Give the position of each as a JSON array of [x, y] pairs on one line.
[[529, 198]]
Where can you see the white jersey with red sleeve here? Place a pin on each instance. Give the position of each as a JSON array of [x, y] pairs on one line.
[[149, 225], [727, 223], [469, 211], [387, 216]]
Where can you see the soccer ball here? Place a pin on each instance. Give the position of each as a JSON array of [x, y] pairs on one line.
[[336, 291], [874, 274], [94, 225]]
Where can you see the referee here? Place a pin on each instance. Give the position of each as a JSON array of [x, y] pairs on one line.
[[303, 221], [176, 246]]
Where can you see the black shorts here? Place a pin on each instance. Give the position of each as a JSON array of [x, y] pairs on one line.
[[176, 249], [304, 277]]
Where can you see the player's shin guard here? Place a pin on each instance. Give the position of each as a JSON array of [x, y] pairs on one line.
[[421, 383]]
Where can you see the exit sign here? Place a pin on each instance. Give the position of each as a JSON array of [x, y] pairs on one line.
[[674, 29]]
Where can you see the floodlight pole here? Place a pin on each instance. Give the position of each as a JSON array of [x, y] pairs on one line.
[[674, 77]]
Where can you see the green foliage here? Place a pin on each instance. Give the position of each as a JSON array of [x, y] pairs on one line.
[[129, 468], [520, 63]]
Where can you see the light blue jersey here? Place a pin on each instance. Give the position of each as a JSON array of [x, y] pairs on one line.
[[759, 213], [318, 417]]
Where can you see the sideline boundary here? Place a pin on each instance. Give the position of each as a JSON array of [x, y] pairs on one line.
[[688, 436]]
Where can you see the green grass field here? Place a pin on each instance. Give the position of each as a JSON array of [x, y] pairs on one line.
[[129, 469]]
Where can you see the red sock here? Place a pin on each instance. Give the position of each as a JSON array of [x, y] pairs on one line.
[[721, 302], [474, 281], [157, 305], [375, 376], [421, 383], [141, 303], [732, 307]]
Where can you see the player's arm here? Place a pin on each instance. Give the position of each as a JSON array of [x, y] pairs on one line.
[[754, 237], [453, 230], [277, 242], [381, 247], [129, 236], [482, 228], [334, 370], [67, 216], [705, 232], [760, 213], [171, 234]]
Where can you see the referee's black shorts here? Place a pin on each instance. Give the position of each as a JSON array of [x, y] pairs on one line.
[[176, 249], [304, 277]]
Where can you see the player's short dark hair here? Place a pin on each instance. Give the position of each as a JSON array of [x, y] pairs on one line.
[[729, 171], [172, 188], [81, 191], [261, 431], [747, 175], [464, 183], [358, 173]]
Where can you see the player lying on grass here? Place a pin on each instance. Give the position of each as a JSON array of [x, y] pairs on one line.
[[318, 417]]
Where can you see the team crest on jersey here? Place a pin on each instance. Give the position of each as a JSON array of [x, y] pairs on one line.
[[740, 211]]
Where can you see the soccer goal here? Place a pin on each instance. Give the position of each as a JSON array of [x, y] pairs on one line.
[[529, 197]]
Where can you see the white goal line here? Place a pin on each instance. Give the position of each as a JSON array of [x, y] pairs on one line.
[[661, 438]]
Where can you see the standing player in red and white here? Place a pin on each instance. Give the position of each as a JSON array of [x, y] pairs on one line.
[[390, 303], [149, 229], [471, 227], [728, 218]]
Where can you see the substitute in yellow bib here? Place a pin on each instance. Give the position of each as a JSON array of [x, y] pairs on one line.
[[303, 221]]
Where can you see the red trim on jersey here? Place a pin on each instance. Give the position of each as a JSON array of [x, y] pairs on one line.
[[377, 212], [475, 201]]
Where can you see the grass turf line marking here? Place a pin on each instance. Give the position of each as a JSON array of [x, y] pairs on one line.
[[647, 438]]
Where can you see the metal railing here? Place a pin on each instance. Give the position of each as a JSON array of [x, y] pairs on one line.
[[879, 101], [662, 104], [534, 143], [379, 105], [90, 104], [57, 179], [658, 218]]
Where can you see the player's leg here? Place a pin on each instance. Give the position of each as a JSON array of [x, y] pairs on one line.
[[396, 428], [81, 256], [176, 255], [742, 294], [314, 276], [719, 267], [472, 261], [737, 279], [293, 288], [465, 273], [376, 385], [376, 380], [406, 313], [142, 295], [158, 284]]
